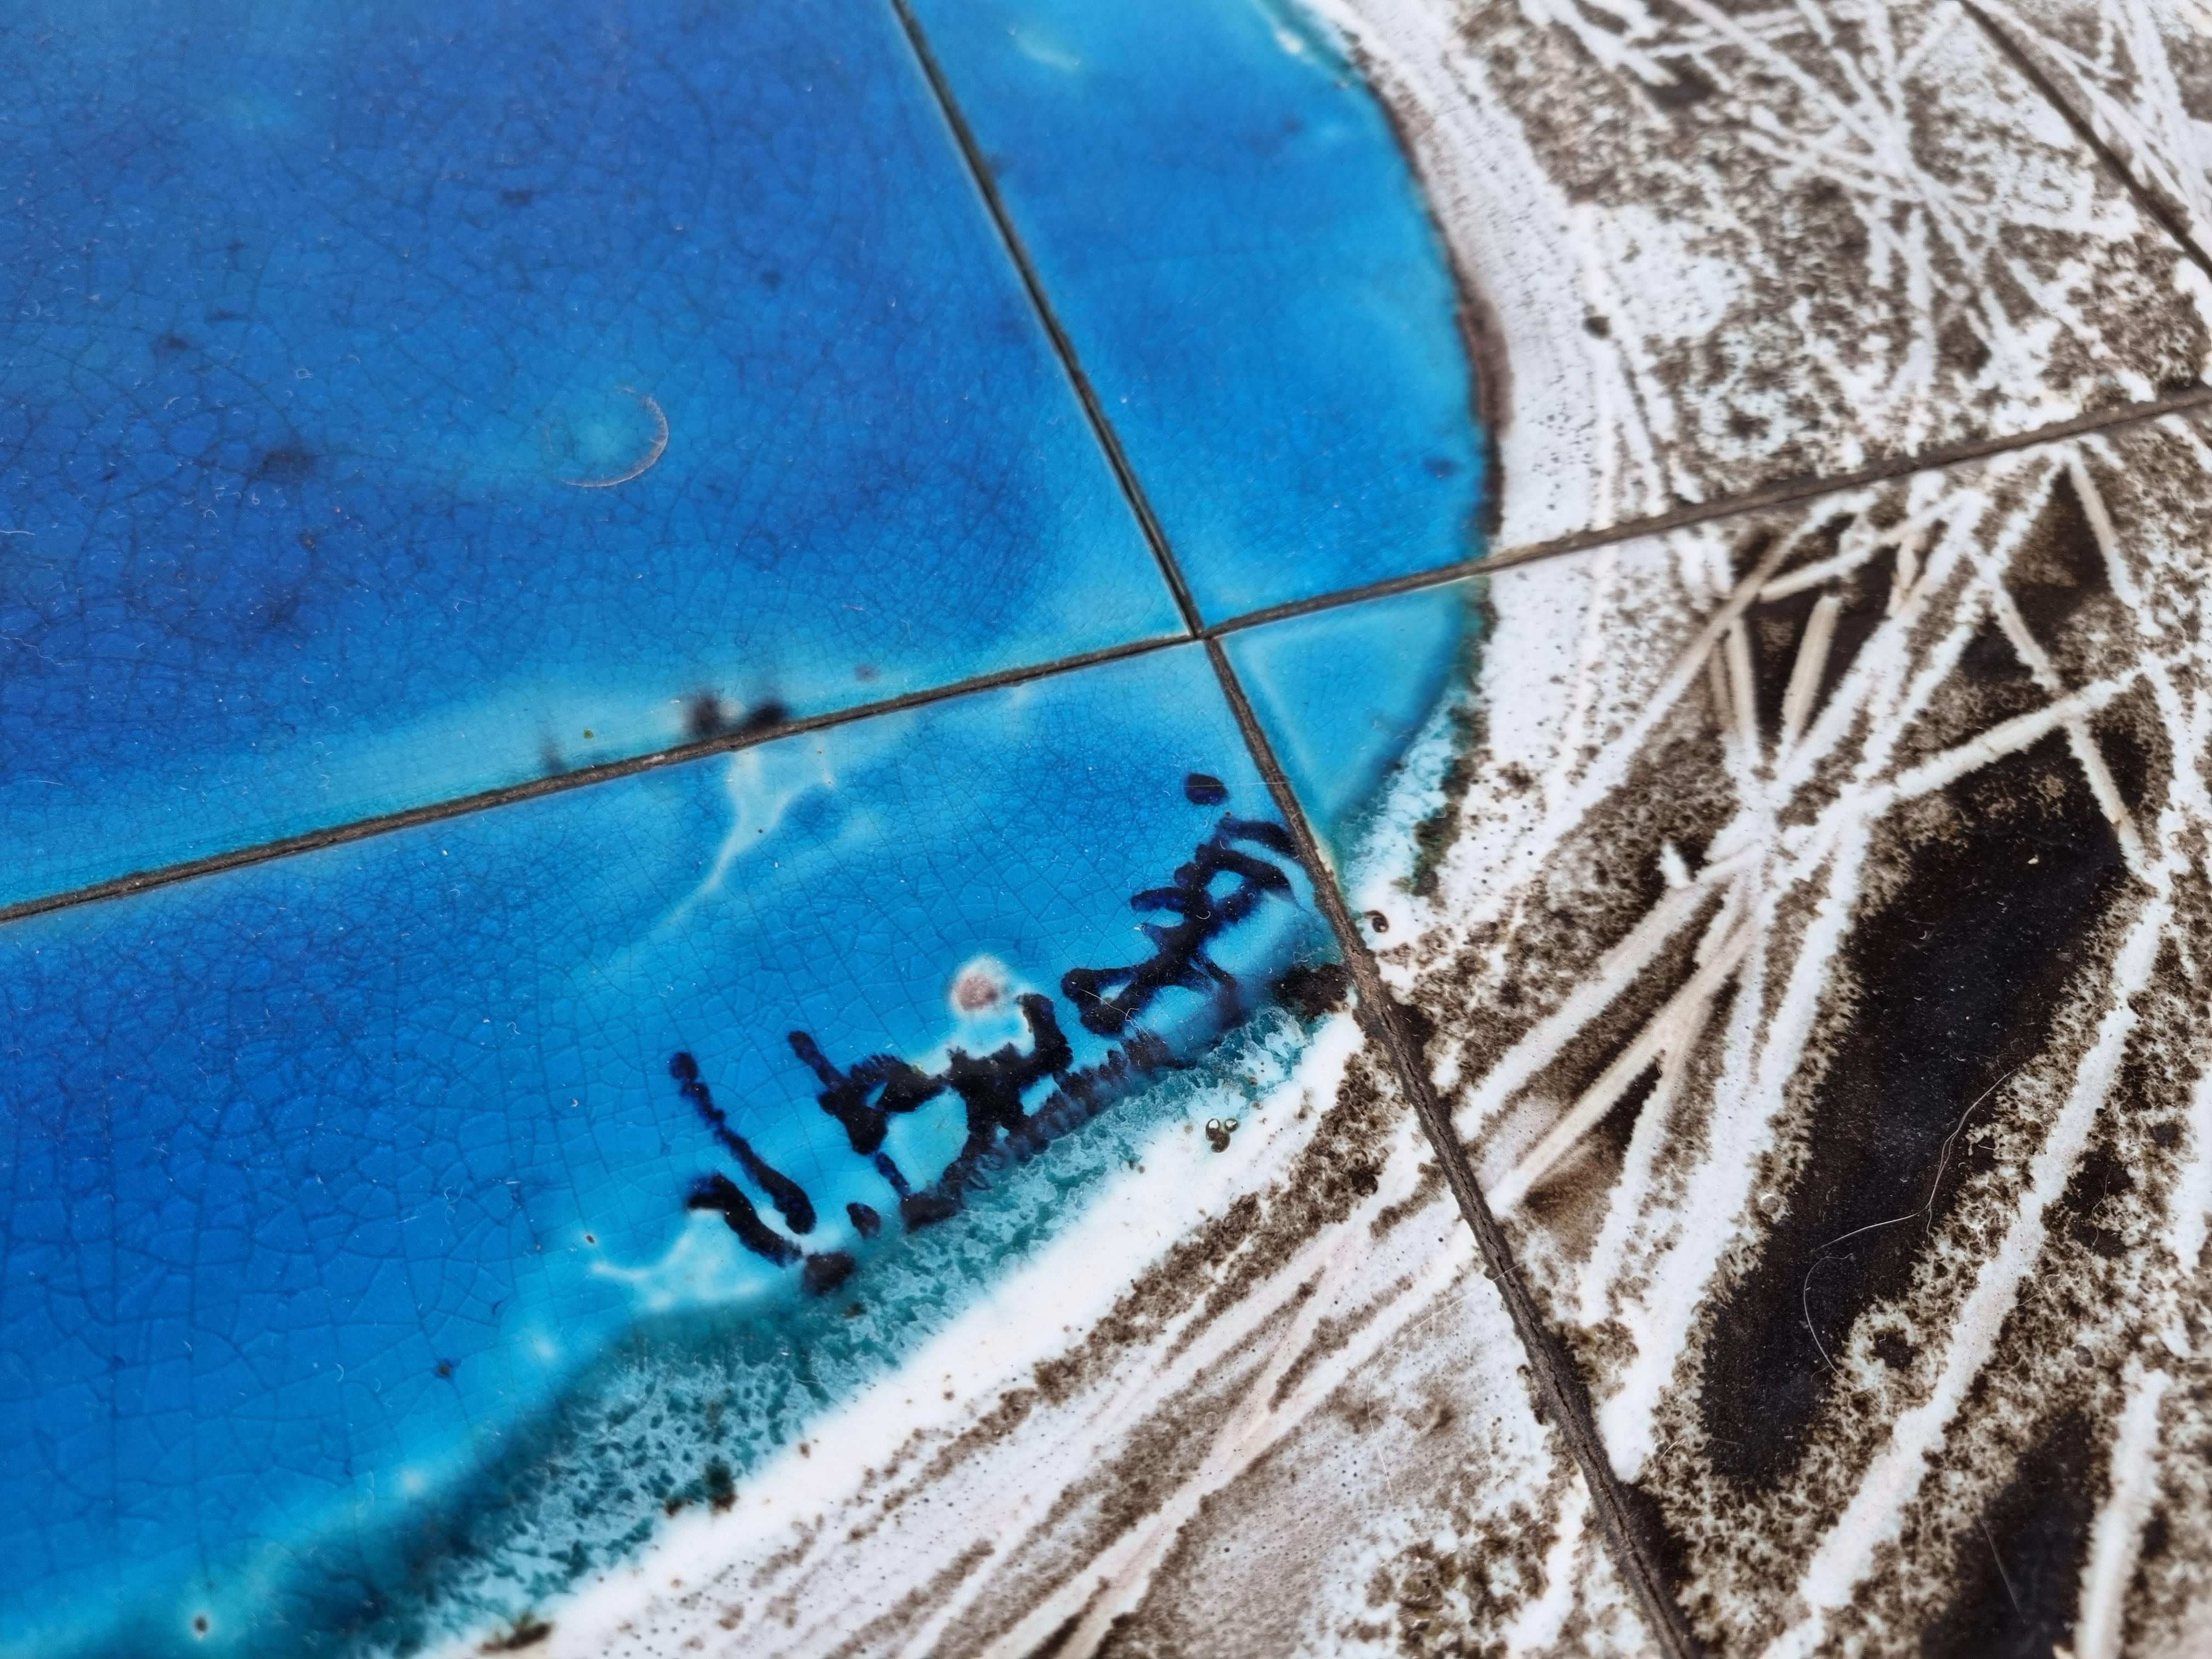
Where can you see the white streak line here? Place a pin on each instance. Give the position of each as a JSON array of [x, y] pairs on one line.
[[2116, 1537], [1660, 1032], [1610, 976], [1847, 1554], [2006, 738], [1805, 673]]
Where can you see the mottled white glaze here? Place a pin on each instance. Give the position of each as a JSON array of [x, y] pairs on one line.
[[1706, 251], [954, 1509]]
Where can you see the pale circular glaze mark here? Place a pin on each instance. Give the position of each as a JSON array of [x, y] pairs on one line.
[[645, 463]]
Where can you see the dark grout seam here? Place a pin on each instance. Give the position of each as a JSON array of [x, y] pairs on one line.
[[1561, 1389], [1783, 495], [1787, 493], [727, 743], [1565, 1401], [1559, 1385], [2022, 60], [1101, 429]]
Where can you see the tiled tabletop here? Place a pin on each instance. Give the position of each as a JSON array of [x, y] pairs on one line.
[[1037, 827]]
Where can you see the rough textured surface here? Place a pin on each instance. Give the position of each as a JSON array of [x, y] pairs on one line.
[[1800, 914], [402, 1236], [1817, 982], [1719, 246], [1299, 1428], [2138, 73]]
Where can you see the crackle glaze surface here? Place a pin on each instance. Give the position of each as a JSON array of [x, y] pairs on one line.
[[402, 405], [1248, 827]]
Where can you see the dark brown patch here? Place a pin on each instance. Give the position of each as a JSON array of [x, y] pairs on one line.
[[1053, 1644], [1158, 1456], [528, 1631], [1434, 836], [2058, 566], [1961, 346], [2132, 738], [1329, 1336], [1311, 990], [1435, 1593], [2100, 1176], [880, 1634], [1428, 1183], [1571, 1201], [718, 1485], [1956, 979], [1892, 1350], [2018, 1574]]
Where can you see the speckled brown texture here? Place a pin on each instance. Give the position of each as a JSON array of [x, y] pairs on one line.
[[1726, 245], [1305, 1426], [1883, 1267], [2137, 75], [1903, 1228]]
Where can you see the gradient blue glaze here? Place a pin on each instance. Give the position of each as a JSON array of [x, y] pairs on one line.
[[277, 1147], [1340, 693], [1226, 227], [320, 319]]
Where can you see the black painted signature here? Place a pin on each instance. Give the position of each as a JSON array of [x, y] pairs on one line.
[[1231, 874]]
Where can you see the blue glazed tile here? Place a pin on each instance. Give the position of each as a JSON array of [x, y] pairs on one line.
[[340, 1189], [400, 403], [1226, 227], [1342, 693]]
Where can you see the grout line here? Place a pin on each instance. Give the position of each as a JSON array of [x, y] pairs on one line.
[[1757, 500], [1101, 428], [1558, 1384], [728, 743], [1562, 1390], [1565, 1400], [2084, 130]]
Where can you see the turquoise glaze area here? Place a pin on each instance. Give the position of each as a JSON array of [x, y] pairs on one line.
[[1342, 693], [401, 401], [406, 402], [348, 1296], [1226, 226]]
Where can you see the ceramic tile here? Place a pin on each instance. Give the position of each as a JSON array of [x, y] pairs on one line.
[[472, 1229], [1296, 1429], [2139, 75], [1345, 694], [1815, 973], [1719, 247], [398, 407], [922, 1185], [1226, 225]]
